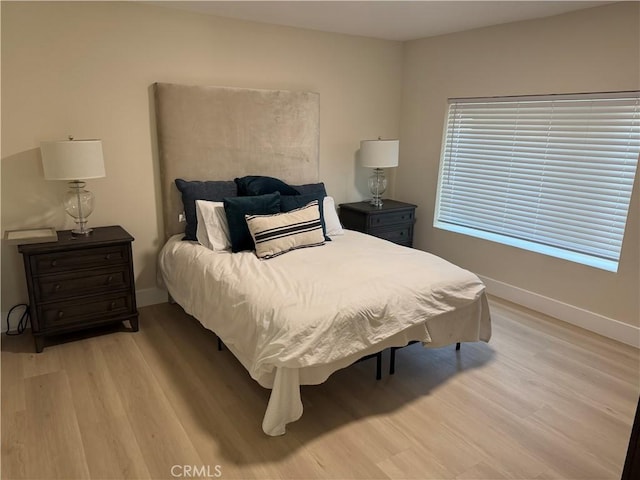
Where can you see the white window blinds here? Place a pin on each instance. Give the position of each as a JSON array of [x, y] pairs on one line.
[[552, 174]]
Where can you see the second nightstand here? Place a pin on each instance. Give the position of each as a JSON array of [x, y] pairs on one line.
[[393, 222], [79, 282]]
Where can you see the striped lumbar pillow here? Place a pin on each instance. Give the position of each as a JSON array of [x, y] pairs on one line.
[[282, 232]]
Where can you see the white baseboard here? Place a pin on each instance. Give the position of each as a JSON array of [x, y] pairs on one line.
[[151, 296], [594, 322], [144, 297]]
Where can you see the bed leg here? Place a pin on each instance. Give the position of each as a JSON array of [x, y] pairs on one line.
[[219, 344], [458, 346], [392, 361], [378, 365]]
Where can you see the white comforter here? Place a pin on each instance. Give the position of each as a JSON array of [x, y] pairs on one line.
[[296, 318]]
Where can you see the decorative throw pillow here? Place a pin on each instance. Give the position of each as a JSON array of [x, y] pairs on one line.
[[236, 208], [311, 188], [280, 233], [331, 220], [213, 191], [291, 202], [212, 230], [260, 185]]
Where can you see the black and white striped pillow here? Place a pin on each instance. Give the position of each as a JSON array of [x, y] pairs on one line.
[[282, 232]]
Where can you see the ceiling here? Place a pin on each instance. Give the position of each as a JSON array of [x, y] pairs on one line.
[[389, 20]]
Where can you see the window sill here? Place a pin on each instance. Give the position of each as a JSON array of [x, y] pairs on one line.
[[600, 263]]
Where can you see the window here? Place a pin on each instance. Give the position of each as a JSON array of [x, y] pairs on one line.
[[552, 174]]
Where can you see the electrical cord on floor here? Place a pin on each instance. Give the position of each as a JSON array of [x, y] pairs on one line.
[[22, 323]]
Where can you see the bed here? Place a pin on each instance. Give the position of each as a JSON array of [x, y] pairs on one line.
[[296, 318]]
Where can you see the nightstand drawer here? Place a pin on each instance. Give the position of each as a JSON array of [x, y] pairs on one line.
[[79, 259], [402, 236], [85, 311], [391, 218], [58, 287]]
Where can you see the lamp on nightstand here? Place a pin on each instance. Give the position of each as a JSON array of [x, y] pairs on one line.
[[379, 154], [74, 160]]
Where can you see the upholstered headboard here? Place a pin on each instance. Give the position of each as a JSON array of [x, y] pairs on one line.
[[219, 133]]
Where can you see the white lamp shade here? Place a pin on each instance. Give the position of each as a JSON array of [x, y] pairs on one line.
[[72, 159], [379, 153]]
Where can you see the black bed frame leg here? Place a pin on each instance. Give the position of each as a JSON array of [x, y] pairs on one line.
[[219, 344], [392, 361], [378, 365], [458, 346]]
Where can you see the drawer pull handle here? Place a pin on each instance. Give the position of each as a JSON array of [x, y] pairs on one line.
[[109, 279], [56, 287], [60, 314], [112, 306], [54, 263], [107, 256], [401, 234]]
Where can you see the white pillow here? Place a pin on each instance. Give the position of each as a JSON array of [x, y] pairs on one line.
[[212, 230], [282, 232], [331, 220]]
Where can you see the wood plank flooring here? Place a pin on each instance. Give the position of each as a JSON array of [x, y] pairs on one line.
[[542, 400]]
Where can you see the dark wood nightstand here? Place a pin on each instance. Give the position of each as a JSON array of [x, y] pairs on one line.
[[393, 221], [80, 282]]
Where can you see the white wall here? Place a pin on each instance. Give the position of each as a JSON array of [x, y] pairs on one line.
[[585, 51], [86, 69]]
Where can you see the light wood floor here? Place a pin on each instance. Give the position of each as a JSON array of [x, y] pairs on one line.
[[542, 400]]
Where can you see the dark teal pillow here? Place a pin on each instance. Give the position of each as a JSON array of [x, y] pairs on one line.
[[291, 202], [260, 185], [214, 191], [309, 188], [235, 208]]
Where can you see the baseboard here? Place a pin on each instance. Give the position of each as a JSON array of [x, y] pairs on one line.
[[144, 297], [594, 322], [151, 296]]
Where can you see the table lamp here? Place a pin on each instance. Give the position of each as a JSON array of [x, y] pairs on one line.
[[378, 154], [74, 160]]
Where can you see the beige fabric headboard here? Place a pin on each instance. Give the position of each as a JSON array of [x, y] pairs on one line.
[[220, 133]]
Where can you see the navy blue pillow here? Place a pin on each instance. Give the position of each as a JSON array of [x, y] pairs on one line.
[[236, 208], [260, 185], [291, 202], [309, 188], [213, 191]]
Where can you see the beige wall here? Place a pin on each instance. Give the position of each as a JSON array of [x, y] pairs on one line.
[[86, 69], [590, 50]]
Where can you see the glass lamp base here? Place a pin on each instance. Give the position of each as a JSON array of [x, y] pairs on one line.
[[376, 202], [78, 232], [377, 185], [78, 203]]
